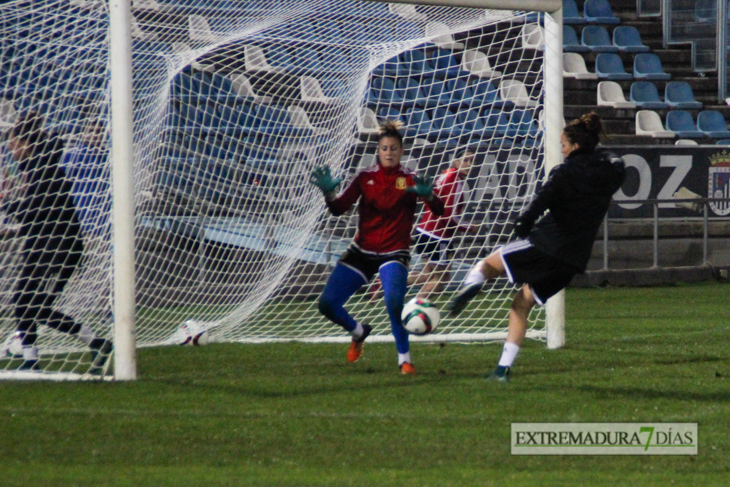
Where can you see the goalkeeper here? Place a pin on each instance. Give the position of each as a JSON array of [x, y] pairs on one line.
[[387, 194], [52, 243], [555, 247]]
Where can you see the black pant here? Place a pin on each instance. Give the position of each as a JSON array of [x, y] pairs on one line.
[[45, 258]]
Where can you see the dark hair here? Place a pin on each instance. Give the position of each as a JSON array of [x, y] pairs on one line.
[[28, 127], [391, 128], [461, 152], [584, 131]]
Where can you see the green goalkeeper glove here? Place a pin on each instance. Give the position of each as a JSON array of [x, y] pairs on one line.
[[322, 178], [422, 188]]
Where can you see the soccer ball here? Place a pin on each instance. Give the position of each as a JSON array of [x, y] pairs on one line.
[[12, 347], [192, 332], [420, 316]]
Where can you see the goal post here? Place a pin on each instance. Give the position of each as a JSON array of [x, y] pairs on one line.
[[196, 212]]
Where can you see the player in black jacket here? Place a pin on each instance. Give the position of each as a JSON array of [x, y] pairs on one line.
[[554, 246], [52, 242]]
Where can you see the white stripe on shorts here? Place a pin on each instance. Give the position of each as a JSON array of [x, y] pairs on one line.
[[511, 247]]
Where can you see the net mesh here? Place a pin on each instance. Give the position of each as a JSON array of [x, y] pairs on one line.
[[234, 104]]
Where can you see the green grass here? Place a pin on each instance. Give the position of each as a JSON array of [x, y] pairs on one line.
[[298, 415]]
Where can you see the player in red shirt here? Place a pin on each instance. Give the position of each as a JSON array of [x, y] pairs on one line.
[[387, 194], [435, 232]]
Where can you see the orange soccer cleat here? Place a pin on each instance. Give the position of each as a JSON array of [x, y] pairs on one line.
[[355, 351], [407, 369]]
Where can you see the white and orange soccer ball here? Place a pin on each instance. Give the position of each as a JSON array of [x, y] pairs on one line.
[[420, 316]]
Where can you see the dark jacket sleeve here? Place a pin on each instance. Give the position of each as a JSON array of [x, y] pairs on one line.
[[436, 205], [545, 196]]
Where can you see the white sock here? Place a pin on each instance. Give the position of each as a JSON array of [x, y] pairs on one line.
[[357, 332], [475, 276], [508, 354], [403, 358], [30, 353], [85, 334]]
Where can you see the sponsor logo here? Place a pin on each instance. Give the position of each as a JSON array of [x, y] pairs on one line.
[[604, 439], [719, 182]]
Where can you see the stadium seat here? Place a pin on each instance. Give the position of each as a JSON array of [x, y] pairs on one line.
[[456, 92], [413, 63], [683, 125], [431, 93], [678, 94], [383, 90], [137, 32], [571, 42], [648, 123], [599, 12], [723, 142], [705, 11], [442, 36], [307, 59], [532, 37], [444, 122], [442, 63], [199, 29], [391, 67], [646, 96], [596, 38], [610, 66], [649, 66], [476, 63], [486, 94], [389, 113], [418, 122], [628, 39], [574, 66], [255, 60], [470, 123], [514, 90], [713, 124], [611, 94], [245, 90], [521, 123], [571, 14], [495, 123], [410, 91], [311, 91], [408, 12], [686, 142], [367, 122]]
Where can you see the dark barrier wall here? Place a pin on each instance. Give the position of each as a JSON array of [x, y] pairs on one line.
[[673, 172]]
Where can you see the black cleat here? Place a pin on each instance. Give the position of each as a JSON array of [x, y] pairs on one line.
[[101, 349], [30, 365], [461, 299], [500, 374]]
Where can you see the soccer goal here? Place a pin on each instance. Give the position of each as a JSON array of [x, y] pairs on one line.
[[187, 131]]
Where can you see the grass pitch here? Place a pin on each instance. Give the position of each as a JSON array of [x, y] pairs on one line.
[[299, 415]]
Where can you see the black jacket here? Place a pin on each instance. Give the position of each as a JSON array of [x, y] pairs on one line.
[[577, 195], [46, 211]]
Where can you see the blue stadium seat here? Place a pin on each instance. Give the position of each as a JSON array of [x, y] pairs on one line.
[[456, 93], [495, 123], [628, 39], [418, 122], [571, 14], [610, 66], [414, 63], [596, 38], [649, 66], [723, 142], [442, 63], [280, 57], [678, 94], [431, 93], [383, 90], [646, 96], [487, 94], [713, 124], [681, 123], [521, 123], [308, 59], [409, 91], [599, 12], [390, 113], [571, 42], [470, 123], [444, 121], [391, 67], [705, 11]]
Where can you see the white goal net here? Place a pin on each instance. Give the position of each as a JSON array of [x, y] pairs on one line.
[[235, 102]]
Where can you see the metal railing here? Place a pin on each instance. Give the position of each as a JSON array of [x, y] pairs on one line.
[[705, 202]]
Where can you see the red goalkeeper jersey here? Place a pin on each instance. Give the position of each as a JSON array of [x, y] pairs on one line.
[[450, 189], [386, 209]]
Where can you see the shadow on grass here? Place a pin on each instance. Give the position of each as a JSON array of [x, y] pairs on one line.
[[636, 392]]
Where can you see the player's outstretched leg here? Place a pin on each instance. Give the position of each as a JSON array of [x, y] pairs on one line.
[[394, 276], [489, 268]]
